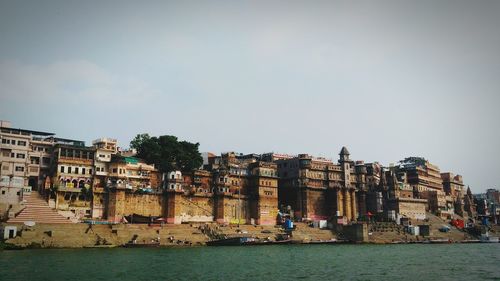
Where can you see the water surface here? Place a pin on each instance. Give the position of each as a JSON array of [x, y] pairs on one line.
[[279, 262]]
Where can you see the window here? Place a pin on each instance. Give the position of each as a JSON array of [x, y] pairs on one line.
[[76, 170], [5, 167], [45, 161], [69, 170], [5, 141], [5, 153], [19, 169], [12, 155], [114, 170], [62, 169], [83, 171], [21, 143], [3, 191], [18, 193]]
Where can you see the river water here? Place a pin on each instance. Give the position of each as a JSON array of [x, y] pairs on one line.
[[277, 262]]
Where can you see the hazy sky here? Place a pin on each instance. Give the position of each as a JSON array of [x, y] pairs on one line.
[[387, 79]]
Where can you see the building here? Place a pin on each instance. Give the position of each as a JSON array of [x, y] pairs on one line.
[[25, 157], [425, 178], [316, 188], [401, 199], [263, 191], [72, 176]]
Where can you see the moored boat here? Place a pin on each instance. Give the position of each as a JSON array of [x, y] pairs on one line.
[[142, 245], [232, 241]]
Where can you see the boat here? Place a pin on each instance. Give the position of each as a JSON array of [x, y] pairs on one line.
[[142, 245], [333, 241], [233, 241], [101, 246], [135, 218], [486, 238], [440, 241]]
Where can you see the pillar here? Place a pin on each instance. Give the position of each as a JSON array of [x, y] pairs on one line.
[[116, 205], [220, 206], [347, 204], [353, 205], [340, 201], [174, 198]]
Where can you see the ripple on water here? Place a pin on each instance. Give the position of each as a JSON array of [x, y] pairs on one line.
[[291, 262]]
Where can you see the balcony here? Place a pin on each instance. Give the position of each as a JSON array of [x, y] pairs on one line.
[[68, 189], [73, 160], [33, 170]]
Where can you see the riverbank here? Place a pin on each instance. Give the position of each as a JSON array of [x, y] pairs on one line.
[[189, 235], [182, 235]]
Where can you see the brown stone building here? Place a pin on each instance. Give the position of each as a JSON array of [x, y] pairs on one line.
[[263, 192], [425, 178], [316, 188]]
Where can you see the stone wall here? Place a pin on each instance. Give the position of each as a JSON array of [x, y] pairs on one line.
[[317, 209], [143, 204], [177, 207], [357, 232], [232, 210], [196, 208]]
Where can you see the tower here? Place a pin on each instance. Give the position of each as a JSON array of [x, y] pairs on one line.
[[349, 192]]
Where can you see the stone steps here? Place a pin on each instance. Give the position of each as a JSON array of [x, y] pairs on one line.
[[38, 210]]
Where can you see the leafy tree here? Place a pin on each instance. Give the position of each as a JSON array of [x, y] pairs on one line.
[[167, 153]]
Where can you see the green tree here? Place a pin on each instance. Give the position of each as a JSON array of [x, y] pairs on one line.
[[167, 153]]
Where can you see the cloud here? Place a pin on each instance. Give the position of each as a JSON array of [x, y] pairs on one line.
[[69, 81]]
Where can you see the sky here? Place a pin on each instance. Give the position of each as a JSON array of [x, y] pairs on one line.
[[386, 79]]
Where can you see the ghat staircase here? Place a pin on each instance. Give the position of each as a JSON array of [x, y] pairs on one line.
[[38, 210]]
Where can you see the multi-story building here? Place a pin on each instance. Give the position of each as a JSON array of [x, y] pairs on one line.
[[316, 188], [105, 149], [24, 159], [103, 182], [72, 175], [134, 173], [453, 186], [426, 180], [401, 200], [263, 191], [493, 195]]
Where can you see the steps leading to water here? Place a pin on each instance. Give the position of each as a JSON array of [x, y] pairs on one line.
[[38, 210]]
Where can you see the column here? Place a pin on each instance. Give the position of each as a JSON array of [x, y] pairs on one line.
[[353, 205], [340, 201], [347, 204]]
